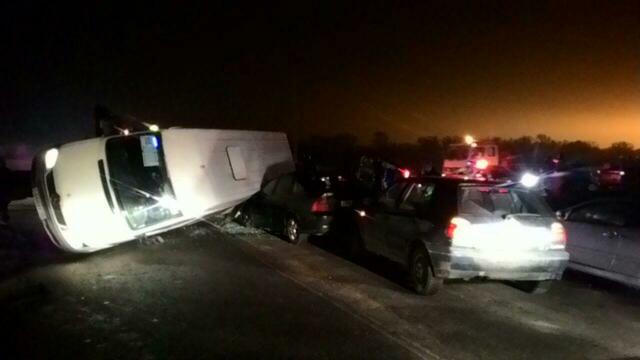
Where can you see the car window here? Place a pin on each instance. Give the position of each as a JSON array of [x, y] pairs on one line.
[[498, 202], [297, 188], [285, 186], [271, 185], [392, 195], [601, 213], [417, 196]]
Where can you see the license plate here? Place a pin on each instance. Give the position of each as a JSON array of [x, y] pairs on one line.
[[39, 208], [346, 203]]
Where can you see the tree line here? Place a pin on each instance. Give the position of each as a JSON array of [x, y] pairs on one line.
[[343, 150]]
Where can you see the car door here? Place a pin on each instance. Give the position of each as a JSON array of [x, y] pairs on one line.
[[627, 257], [403, 224], [592, 234], [259, 206], [373, 226], [279, 201], [299, 203]]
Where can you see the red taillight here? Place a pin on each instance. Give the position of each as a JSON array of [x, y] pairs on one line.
[[450, 231], [322, 205], [558, 236], [406, 173], [455, 225]]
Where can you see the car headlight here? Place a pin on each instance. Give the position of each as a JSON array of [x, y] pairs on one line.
[[50, 158]]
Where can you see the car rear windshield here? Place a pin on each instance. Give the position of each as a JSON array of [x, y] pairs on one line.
[[139, 179], [481, 201]]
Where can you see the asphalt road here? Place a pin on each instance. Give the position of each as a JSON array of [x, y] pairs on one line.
[[211, 292]]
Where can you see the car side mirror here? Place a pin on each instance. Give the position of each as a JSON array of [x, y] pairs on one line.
[[561, 215]]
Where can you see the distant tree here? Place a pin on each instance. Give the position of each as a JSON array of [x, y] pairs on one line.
[[579, 153], [450, 140], [620, 150]]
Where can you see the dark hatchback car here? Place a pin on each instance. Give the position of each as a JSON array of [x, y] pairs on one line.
[[604, 238], [454, 229], [295, 208]]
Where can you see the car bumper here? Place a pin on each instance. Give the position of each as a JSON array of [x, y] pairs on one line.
[[317, 225], [466, 263]]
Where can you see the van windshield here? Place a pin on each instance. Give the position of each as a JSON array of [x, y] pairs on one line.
[[138, 176], [498, 202]]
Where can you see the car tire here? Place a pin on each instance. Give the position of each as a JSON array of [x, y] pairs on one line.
[[292, 231], [356, 246], [423, 281], [246, 219], [536, 287]]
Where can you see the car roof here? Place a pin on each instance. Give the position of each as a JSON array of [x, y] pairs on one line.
[[633, 201], [439, 180]]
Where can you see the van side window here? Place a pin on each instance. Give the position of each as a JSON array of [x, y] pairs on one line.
[[491, 151], [236, 161]]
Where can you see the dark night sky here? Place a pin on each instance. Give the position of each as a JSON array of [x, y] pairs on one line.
[[567, 69]]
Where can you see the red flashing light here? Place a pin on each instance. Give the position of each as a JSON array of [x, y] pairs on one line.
[[482, 164]]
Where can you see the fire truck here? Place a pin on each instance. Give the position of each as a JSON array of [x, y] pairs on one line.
[[470, 159]]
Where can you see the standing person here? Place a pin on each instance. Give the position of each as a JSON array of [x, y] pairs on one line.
[[5, 191]]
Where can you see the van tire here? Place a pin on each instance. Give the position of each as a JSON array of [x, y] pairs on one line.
[[422, 279], [292, 232]]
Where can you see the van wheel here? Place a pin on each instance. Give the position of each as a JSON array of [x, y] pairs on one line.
[[536, 287], [422, 279], [292, 231]]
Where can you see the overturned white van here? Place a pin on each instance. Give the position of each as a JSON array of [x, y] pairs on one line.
[[100, 192]]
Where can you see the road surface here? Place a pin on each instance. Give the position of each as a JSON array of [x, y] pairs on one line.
[[213, 291]]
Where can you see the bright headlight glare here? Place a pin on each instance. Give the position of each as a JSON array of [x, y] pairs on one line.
[[50, 158], [169, 203], [529, 180]]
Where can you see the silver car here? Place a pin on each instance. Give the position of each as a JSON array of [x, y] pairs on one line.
[[441, 228], [604, 239]]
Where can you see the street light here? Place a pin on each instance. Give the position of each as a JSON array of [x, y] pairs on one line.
[[468, 139]]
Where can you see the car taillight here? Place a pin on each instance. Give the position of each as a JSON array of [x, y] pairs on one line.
[[558, 236], [323, 204], [406, 173], [455, 225]]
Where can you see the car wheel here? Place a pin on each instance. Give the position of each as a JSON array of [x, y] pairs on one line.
[[423, 281], [356, 248], [246, 219], [292, 231], [536, 287]]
